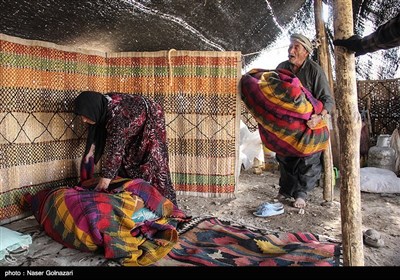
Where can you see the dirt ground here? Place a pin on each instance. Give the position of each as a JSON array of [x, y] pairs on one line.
[[379, 211]]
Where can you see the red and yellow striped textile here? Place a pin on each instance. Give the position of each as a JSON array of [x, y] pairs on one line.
[[94, 221], [281, 107]]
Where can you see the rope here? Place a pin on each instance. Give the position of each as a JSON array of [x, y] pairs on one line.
[[247, 54], [170, 66]]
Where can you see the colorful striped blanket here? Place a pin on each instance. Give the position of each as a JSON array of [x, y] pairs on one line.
[[94, 221], [281, 106]]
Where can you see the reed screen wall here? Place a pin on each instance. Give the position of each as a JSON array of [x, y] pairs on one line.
[[42, 141]]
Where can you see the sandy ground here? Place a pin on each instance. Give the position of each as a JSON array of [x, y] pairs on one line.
[[379, 211]]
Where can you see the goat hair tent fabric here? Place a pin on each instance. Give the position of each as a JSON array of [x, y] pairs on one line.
[[42, 141]]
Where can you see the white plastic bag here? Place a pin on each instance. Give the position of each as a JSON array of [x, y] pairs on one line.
[[11, 240], [250, 147]]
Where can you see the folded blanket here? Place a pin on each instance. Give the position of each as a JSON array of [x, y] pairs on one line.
[[98, 221], [281, 106], [81, 218]]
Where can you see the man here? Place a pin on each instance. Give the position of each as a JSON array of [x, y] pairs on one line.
[[300, 175], [385, 37]]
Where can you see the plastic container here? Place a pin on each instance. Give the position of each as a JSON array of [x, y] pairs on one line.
[[382, 155]]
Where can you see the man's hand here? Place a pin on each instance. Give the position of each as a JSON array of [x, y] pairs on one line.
[[103, 184], [314, 121], [352, 44]]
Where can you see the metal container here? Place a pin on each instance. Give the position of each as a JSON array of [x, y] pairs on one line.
[[382, 155]]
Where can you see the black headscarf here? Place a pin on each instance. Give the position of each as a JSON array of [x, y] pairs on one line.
[[93, 105]]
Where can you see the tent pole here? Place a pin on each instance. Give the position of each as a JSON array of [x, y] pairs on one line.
[[323, 57], [349, 133]]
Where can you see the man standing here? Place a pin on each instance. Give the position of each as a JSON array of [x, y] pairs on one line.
[[300, 175]]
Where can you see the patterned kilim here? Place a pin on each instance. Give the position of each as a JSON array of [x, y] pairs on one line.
[[40, 134], [212, 242]]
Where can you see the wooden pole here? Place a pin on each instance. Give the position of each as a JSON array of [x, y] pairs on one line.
[[323, 56], [325, 62], [349, 133]]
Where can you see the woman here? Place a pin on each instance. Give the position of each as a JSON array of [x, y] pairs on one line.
[[129, 130]]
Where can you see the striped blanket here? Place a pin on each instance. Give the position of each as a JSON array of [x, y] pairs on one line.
[[94, 221], [281, 106]]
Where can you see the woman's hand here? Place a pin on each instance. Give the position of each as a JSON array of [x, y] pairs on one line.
[[103, 184], [90, 153]]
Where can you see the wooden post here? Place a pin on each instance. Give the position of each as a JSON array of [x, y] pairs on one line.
[[325, 62], [349, 133], [323, 56], [369, 117]]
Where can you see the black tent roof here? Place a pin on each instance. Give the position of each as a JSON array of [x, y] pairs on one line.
[[150, 25]]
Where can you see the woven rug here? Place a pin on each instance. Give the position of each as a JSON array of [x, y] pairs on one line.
[[211, 242]]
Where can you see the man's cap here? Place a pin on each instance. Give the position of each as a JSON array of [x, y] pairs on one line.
[[303, 40]]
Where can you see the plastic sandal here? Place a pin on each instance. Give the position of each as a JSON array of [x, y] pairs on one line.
[[373, 238], [277, 205], [268, 210]]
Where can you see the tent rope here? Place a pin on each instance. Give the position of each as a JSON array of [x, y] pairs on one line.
[[170, 66]]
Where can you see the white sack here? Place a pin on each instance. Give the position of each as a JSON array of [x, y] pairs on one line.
[[379, 180]]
